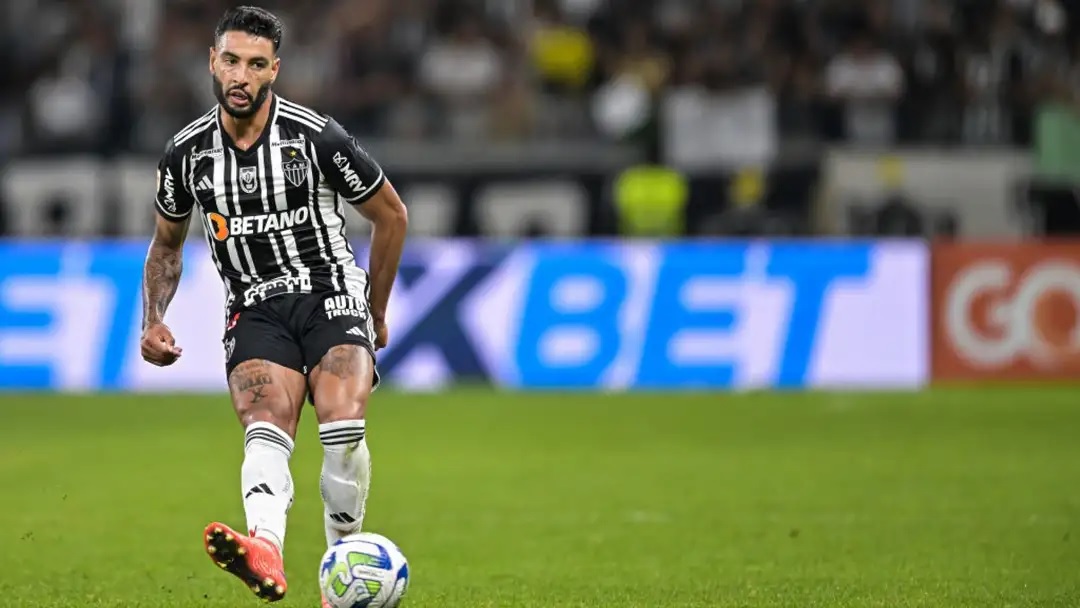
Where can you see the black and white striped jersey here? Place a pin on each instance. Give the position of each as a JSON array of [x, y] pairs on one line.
[[273, 214]]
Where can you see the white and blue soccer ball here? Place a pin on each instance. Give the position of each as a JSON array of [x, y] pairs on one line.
[[364, 570]]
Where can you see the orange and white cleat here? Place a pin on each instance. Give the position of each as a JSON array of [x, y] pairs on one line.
[[254, 560], [325, 602]]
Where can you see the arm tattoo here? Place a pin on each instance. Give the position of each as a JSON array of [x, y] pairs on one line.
[[340, 361], [161, 276]]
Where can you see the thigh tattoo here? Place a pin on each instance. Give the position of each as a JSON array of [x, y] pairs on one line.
[[341, 361], [252, 376]]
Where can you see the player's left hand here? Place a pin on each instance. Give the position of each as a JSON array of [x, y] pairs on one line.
[[382, 335]]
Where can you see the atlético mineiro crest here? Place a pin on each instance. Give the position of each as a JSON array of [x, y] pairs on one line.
[[248, 179], [296, 169], [230, 346]]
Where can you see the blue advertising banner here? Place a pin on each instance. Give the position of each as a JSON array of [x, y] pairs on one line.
[[578, 315]]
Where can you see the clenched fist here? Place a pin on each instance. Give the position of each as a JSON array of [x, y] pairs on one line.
[[158, 345], [382, 334]]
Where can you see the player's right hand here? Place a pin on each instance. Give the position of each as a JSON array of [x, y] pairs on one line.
[[158, 345]]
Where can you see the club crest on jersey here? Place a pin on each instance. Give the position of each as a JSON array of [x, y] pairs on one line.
[[296, 169], [248, 179]]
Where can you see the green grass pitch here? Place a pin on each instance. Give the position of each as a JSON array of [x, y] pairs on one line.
[[947, 498]]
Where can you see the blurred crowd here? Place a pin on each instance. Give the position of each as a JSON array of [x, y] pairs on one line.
[[112, 76]]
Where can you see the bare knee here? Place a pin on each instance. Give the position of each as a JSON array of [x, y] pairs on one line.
[[341, 383], [336, 405], [348, 408], [260, 393]]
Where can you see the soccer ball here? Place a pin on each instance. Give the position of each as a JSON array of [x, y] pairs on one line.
[[364, 570]]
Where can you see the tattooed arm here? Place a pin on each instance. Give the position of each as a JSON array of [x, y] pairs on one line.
[[161, 276], [161, 272], [164, 260]]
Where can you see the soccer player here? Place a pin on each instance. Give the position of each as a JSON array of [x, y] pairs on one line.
[[270, 180]]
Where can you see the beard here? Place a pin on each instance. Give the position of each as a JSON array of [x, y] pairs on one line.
[[253, 103]]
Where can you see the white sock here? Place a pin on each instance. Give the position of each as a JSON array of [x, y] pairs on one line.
[[266, 481], [346, 476]]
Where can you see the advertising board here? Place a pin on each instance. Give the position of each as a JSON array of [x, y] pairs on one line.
[[1006, 311], [571, 315]]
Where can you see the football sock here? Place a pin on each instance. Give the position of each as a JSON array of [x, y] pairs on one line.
[[266, 481], [346, 475]]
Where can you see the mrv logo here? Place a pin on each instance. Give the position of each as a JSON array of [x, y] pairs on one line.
[[344, 306], [168, 188], [351, 178], [243, 225]]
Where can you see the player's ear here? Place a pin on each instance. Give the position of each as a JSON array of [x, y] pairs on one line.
[[213, 56]]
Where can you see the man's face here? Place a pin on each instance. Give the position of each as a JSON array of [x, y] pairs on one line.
[[243, 67]]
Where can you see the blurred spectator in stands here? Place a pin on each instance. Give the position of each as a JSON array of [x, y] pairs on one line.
[[635, 69], [563, 56], [897, 217], [375, 65], [638, 57], [745, 213], [1050, 200], [160, 91], [71, 104], [800, 98], [650, 201], [514, 110], [931, 109], [866, 80], [310, 66], [562, 52], [462, 70], [993, 70]]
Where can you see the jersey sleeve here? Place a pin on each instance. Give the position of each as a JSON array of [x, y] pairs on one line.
[[173, 201], [347, 167]]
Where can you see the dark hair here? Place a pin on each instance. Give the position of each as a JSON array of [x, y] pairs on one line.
[[250, 20]]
